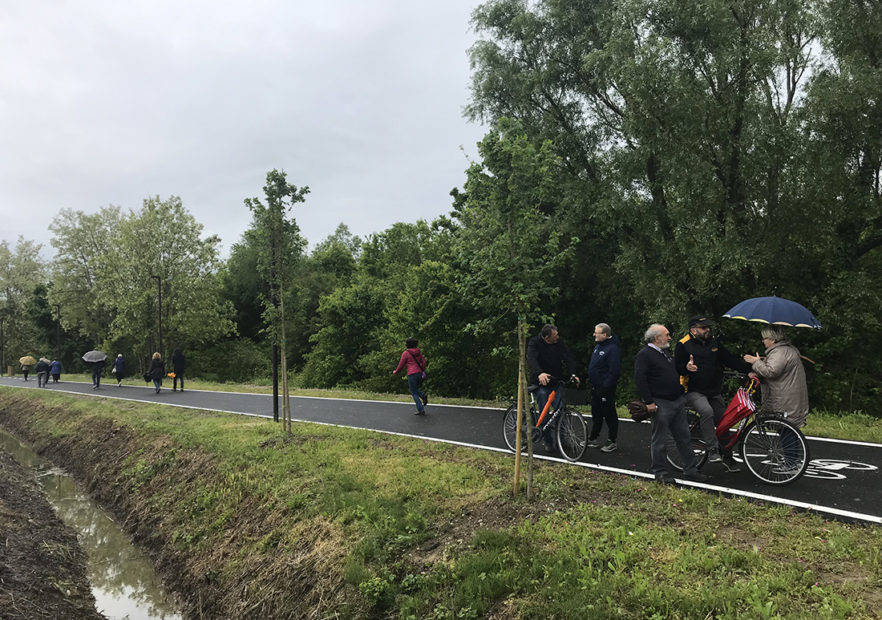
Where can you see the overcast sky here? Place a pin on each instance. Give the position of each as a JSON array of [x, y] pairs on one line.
[[108, 102]]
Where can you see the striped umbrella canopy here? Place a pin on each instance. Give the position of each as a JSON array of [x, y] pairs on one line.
[[774, 311]]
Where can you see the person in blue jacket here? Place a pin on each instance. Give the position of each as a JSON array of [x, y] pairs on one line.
[[603, 374], [55, 370], [119, 368]]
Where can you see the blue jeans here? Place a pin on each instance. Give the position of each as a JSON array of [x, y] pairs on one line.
[[157, 383], [542, 395], [413, 382], [670, 418]]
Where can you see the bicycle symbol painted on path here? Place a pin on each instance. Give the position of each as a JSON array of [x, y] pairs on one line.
[[833, 469]]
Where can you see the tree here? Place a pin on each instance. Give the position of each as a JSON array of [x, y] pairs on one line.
[[21, 272], [280, 245], [509, 241], [161, 246], [83, 245]]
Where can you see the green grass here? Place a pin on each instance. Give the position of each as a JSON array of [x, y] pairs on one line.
[[413, 529]]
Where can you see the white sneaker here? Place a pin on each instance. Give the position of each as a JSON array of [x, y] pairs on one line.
[[609, 447], [595, 443]]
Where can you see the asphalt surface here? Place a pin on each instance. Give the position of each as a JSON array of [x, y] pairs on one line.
[[844, 479]]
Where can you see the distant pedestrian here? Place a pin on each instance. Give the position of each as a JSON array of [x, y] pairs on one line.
[[157, 371], [119, 368], [55, 370], [42, 372], [179, 364], [25, 370], [412, 358], [97, 371], [603, 374]]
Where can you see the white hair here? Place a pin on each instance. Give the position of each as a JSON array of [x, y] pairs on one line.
[[653, 332]]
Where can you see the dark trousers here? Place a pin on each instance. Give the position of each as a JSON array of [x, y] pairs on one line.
[[178, 375], [670, 421], [96, 377], [603, 407], [542, 395]]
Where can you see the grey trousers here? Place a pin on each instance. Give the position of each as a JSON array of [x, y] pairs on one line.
[[710, 411], [670, 419]]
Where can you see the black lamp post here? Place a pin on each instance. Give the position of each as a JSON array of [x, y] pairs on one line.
[[159, 295], [57, 331]]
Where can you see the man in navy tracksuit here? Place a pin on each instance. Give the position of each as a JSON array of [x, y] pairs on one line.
[[603, 374]]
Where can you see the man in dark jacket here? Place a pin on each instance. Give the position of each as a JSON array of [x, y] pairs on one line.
[[42, 372], [658, 385], [603, 373], [700, 359], [547, 355], [179, 365]]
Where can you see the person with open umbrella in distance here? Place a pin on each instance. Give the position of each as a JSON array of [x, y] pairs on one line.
[[26, 362], [96, 360], [157, 371]]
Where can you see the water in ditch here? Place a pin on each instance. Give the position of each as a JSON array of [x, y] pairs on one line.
[[123, 581]]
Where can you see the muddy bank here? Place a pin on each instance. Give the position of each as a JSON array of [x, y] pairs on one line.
[[42, 567], [98, 452]]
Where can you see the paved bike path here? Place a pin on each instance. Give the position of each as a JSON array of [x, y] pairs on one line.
[[844, 478]]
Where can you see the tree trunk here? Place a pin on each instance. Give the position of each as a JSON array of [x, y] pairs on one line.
[[286, 401]]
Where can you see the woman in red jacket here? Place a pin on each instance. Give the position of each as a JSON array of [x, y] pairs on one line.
[[416, 364]]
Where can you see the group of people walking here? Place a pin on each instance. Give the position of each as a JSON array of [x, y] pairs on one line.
[[156, 373]]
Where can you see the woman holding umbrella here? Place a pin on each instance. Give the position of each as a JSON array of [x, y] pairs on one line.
[[26, 362], [96, 359], [782, 376]]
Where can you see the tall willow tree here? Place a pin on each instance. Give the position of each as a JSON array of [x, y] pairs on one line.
[[510, 242], [279, 245]]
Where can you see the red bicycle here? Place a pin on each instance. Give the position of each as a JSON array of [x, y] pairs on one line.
[[772, 448]]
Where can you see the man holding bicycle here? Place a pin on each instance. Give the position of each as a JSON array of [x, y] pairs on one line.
[[700, 359], [658, 385], [547, 355]]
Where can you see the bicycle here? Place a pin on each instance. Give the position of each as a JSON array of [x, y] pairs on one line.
[[772, 448], [570, 429]]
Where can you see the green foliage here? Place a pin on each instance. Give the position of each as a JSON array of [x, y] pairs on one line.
[[238, 360], [21, 272]]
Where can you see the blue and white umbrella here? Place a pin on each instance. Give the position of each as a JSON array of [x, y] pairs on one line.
[[774, 311]]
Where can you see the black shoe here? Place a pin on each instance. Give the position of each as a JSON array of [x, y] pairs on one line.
[[731, 466], [420, 412], [665, 479], [697, 477]]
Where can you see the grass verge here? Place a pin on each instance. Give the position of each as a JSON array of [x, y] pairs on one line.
[[251, 522]]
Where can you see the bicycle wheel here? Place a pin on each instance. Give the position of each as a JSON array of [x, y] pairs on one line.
[[774, 450], [699, 448], [510, 429], [572, 435]]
